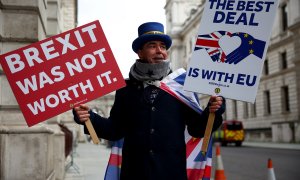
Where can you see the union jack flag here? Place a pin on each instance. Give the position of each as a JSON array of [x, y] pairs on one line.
[[210, 42], [198, 165], [173, 84], [113, 169]]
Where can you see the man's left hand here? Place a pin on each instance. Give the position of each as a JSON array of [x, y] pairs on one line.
[[215, 103]]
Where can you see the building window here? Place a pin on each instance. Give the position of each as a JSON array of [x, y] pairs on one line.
[[267, 102], [253, 110], [225, 115], [234, 107], [284, 13], [266, 67], [246, 115], [285, 99], [283, 60]]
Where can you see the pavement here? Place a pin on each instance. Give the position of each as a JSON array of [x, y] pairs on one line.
[[89, 160], [273, 145]]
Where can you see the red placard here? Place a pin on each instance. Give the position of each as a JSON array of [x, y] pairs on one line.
[[51, 76]]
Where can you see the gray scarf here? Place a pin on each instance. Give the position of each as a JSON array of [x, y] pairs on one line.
[[150, 72]]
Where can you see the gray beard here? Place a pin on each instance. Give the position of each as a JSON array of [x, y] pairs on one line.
[[150, 72]]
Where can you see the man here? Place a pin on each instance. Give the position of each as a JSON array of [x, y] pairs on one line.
[[151, 121]]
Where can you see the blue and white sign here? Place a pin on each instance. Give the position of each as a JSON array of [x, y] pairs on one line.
[[230, 48]]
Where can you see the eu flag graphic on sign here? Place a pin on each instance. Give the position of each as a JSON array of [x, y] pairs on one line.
[[249, 45]]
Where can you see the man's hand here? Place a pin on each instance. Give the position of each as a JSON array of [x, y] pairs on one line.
[[82, 112], [215, 103]]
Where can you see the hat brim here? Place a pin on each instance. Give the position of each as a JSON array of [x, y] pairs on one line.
[[140, 41]]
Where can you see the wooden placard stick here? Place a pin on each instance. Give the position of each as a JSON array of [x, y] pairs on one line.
[[207, 134], [92, 132]]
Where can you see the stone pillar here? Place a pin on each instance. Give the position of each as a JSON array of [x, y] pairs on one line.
[[26, 153], [58, 151], [37, 152], [22, 22]]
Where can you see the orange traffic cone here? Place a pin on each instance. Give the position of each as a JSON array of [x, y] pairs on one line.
[[219, 174], [271, 174]]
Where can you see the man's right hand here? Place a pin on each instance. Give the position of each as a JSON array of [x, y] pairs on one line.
[[82, 112]]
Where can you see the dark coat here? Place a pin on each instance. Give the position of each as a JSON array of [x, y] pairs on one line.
[[154, 144]]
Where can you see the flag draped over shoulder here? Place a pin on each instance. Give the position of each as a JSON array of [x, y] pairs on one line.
[[198, 165], [173, 84], [113, 169]]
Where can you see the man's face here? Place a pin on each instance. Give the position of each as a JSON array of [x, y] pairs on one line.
[[153, 52]]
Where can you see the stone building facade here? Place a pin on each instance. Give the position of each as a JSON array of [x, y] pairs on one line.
[[37, 152], [275, 115]]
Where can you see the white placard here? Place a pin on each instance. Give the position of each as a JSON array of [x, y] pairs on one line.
[[230, 48]]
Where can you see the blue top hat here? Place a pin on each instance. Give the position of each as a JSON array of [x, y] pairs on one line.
[[151, 31]]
